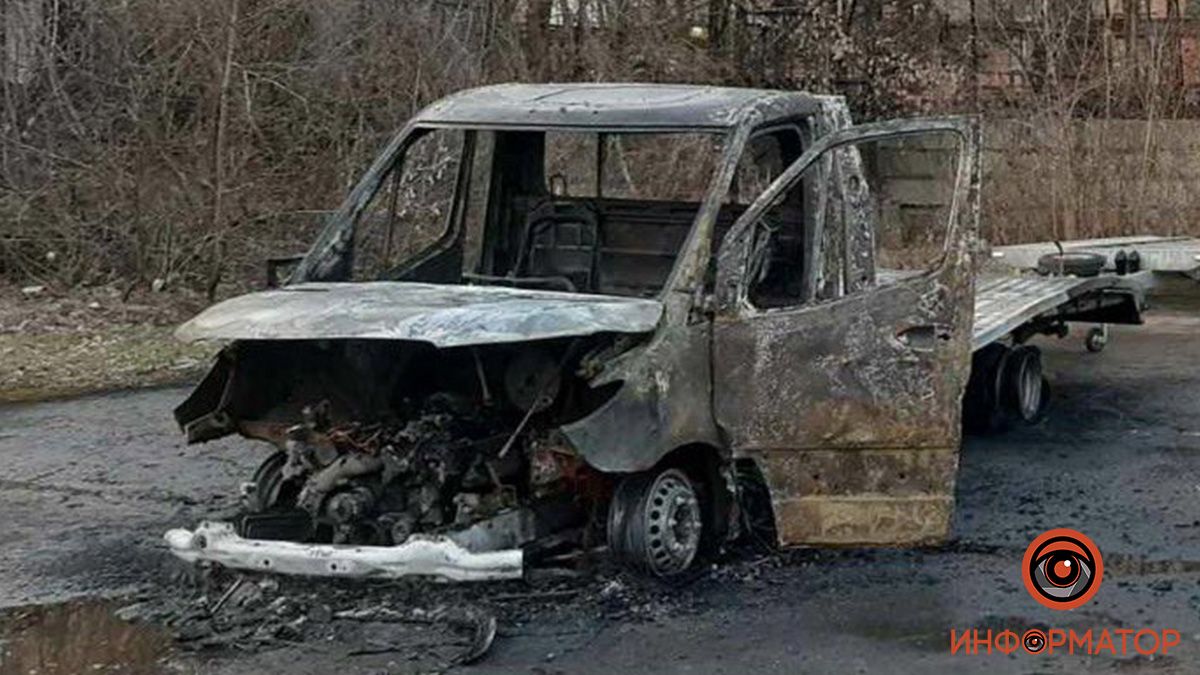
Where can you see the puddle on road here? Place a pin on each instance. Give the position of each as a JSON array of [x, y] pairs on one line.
[[77, 637]]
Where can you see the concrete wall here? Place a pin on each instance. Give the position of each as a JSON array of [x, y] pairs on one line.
[[1087, 178]]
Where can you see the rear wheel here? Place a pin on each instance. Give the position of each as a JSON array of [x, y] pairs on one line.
[[656, 522], [1025, 387], [982, 412], [1096, 340], [1007, 385]]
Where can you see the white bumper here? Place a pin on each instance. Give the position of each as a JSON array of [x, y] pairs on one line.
[[424, 556]]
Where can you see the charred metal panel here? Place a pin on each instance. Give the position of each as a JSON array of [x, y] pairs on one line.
[[862, 392], [862, 497], [664, 403], [203, 415], [858, 271], [843, 375], [441, 315], [865, 520], [897, 473], [595, 107], [602, 105]]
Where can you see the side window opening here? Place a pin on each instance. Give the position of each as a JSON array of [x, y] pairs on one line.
[[777, 254], [413, 206], [915, 178], [880, 214], [478, 199]]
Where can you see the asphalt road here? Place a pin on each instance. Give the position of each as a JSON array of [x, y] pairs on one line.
[[87, 486]]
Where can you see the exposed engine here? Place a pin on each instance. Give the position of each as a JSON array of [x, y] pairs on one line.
[[458, 441]]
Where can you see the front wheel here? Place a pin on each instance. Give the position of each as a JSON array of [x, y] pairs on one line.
[[656, 522]]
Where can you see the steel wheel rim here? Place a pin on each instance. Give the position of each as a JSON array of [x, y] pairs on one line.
[[673, 523], [1030, 391]]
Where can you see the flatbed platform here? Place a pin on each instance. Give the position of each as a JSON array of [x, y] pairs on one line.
[[1010, 296], [1005, 302]]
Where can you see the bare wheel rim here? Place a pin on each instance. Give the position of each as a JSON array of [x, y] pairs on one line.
[[673, 523]]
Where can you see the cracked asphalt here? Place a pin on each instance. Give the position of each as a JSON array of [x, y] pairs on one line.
[[87, 486]]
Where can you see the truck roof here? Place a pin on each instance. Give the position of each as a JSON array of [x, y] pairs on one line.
[[611, 106]]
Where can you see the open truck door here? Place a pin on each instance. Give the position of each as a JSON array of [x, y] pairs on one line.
[[842, 340]]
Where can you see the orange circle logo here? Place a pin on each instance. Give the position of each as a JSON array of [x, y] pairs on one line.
[[1062, 569]]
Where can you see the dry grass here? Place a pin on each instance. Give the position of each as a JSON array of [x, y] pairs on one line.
[[54, 345], [39, 367]]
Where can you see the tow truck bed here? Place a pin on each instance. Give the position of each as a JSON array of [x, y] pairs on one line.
[[1005, 302], [1010, 297]]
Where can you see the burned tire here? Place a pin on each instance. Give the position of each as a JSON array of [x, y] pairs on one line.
[[656, 522], [1025, 388], [269, 507], [270, 490], [1075, 263], [983, 412]]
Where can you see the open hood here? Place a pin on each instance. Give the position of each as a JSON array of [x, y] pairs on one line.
[[442, 315]]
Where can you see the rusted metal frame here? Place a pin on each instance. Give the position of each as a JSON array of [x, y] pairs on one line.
[[686, 280], [833, 171], [687, 276], [321, 261], [394, 198], [665, 398], [665, 401], [858, 234]]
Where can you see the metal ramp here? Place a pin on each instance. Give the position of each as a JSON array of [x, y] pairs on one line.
[[1004, 302], [1008, 295]]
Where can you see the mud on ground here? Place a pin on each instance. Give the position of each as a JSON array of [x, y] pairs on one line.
[[89, 485]]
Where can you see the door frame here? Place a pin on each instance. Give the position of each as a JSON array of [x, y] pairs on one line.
[[873, 463], [733, 254]]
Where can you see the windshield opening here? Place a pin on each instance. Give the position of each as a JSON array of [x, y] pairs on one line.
[[576, 211]]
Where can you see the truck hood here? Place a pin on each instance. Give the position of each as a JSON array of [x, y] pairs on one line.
[[442, 315]]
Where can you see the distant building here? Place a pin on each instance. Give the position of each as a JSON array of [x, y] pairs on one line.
[[1165, 35]]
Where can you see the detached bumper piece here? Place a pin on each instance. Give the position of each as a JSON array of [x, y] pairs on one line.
[[425, 556]]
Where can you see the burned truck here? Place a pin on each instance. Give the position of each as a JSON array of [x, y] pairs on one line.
[[554, 318]]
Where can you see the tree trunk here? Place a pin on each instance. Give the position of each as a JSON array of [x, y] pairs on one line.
[[217, 224]]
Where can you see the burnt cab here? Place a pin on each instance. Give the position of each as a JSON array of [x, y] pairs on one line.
[[694, 311]]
